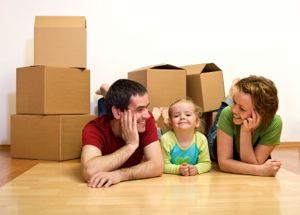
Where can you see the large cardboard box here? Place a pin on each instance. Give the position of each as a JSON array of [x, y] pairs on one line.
[[205, 85], [60, 41], [165, 83], [52, 137], [51, 90]]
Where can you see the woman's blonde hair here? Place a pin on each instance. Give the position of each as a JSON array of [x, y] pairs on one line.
[[197, 111], [263, 94]]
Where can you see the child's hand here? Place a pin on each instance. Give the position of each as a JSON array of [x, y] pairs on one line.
[[184, 169], [192, 170]]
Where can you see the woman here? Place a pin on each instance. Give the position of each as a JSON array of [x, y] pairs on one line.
[[249, 129]]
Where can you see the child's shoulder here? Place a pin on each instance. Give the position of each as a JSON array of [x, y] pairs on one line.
[[200, 135], [168, 134]]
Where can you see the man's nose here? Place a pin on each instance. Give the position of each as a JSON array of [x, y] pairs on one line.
[[146, 114]]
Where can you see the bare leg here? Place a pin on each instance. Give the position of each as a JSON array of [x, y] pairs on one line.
[[156, 113], [165, 115], [101, 102], [102, 90]]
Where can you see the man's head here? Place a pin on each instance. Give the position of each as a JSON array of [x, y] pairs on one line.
[[126, 94]]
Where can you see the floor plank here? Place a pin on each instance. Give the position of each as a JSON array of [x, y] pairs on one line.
[[57, 188], [11, 168]]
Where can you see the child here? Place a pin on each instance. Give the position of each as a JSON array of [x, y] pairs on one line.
[[185, 150]]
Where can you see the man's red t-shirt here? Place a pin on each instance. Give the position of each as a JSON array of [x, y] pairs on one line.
[[98, 133]]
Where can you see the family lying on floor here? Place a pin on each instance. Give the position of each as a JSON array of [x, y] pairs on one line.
[[124, 142]]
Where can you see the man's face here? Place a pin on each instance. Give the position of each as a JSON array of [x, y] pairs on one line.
[[139, 107]]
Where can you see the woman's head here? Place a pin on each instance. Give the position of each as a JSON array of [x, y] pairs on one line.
[[262, 95], [185, 114]]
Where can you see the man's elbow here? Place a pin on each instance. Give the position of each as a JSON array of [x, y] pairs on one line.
[[159, 169], [87, 172]]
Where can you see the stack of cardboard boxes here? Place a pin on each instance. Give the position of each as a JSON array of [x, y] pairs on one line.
[[53, 96], [166, 83]]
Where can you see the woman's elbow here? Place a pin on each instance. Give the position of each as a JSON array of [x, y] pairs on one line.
[[222, 165]]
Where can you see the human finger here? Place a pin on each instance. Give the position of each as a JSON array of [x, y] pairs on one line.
[[102, 182]]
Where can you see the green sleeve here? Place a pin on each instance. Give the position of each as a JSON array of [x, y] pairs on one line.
[[271, 136], [204, 162], [225, 122], [167, 143]]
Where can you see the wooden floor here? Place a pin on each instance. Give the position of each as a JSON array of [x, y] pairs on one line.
[[41, 187]]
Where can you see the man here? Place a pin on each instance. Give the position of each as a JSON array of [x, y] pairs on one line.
[[122, 144]]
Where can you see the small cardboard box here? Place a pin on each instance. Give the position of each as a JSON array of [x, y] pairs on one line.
[[205, 85], [52, 137], [165, 83], [51, 90], [60, 41]]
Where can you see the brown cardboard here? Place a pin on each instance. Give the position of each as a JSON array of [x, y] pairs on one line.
[[205, 85], [165, 83], [56, 137], [51, 90], [60, 41]]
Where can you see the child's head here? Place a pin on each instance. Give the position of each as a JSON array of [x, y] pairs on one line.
[[263, 95], [185, 114]]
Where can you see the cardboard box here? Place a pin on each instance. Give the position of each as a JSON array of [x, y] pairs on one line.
[[56, 137], [165, 83], [51, 90], [205, 85], [60, 41]]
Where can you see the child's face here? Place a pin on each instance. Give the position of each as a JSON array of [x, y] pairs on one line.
[[183, 116]]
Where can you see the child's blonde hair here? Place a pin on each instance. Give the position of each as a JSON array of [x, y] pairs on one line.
[[197, 111]]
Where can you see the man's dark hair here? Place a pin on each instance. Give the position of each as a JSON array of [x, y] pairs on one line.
[[119, 94]]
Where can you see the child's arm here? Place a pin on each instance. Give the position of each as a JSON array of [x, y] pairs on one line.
[[168, 166], [204, 162]]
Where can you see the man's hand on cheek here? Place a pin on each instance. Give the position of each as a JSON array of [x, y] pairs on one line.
[[129, 128]]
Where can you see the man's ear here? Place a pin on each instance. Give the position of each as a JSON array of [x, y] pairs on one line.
[[116, 112]]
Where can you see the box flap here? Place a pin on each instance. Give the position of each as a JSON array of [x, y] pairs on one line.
[[60, 22], [159, 66], [201, 68], [211, 67]]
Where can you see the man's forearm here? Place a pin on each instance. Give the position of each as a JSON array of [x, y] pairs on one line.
[[145, 169], [107, 163]]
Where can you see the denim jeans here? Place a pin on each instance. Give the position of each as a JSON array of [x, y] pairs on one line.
[[212, 132], [101, 107]]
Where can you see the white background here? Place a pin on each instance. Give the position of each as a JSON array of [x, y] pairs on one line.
[[241, 37]]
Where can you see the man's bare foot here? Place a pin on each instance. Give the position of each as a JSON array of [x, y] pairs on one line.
[[156, 112], [165, 115], [102, 90]]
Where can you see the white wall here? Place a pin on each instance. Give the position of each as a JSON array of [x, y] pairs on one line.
[[242, 37]]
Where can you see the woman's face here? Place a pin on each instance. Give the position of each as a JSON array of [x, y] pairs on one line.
[[242, 107]]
